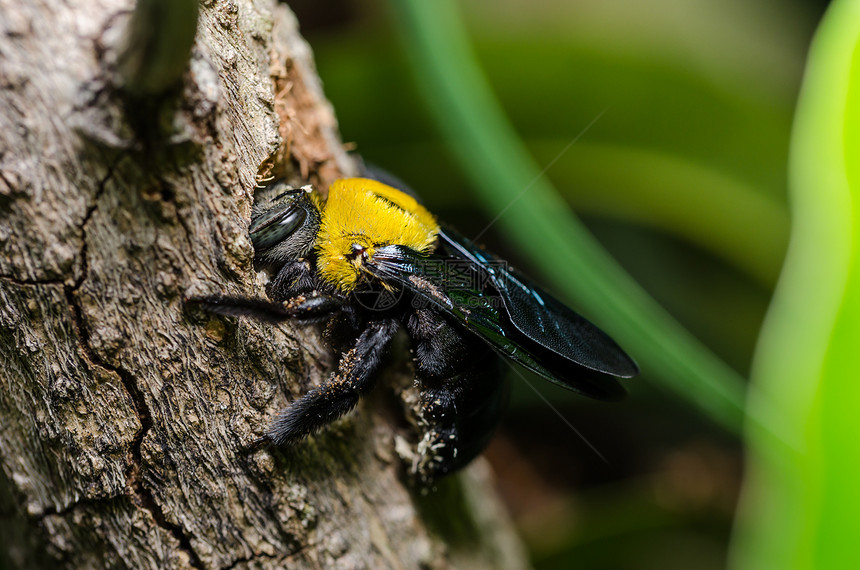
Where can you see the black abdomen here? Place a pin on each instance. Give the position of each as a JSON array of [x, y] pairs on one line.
[[463, 392]]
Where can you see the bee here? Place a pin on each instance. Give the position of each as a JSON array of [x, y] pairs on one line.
[[377, 260]]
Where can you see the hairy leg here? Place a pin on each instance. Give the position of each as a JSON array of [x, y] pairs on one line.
[[311, 308], [340, 393], [293, 279]]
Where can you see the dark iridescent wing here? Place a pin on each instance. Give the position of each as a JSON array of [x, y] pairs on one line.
[[543, 318], [469, 285]]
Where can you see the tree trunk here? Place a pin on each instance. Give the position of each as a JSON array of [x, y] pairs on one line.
[[125, 417]]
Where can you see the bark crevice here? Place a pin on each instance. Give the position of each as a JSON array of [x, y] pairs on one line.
[[142, 496]]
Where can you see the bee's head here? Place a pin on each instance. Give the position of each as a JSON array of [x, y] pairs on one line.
[[284, 223]]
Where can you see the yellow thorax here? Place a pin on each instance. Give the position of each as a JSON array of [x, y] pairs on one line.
[[366, 214]]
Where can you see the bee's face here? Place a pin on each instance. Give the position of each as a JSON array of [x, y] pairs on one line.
[[285, 226], [362, 215]]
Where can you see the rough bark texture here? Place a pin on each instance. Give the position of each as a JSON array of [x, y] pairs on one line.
[[124, 416]]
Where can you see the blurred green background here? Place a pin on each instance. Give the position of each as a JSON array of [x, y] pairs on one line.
[[680, 113]]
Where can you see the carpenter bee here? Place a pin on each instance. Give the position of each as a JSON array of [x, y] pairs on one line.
[[374, 257]]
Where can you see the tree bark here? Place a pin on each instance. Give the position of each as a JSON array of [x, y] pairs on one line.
[[126, 417]]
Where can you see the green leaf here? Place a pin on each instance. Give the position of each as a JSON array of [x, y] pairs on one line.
[[802, 496]]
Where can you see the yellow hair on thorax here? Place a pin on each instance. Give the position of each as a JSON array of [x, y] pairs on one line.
[[369, 214]]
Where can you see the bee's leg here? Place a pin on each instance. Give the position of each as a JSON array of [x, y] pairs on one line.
[[340, 393], [306, 309], [463, 393], [294, 278]]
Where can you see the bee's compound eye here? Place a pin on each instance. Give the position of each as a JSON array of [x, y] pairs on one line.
[[276, 225]]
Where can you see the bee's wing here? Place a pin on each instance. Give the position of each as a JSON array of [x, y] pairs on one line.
[[543, 318], [459, 287]]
